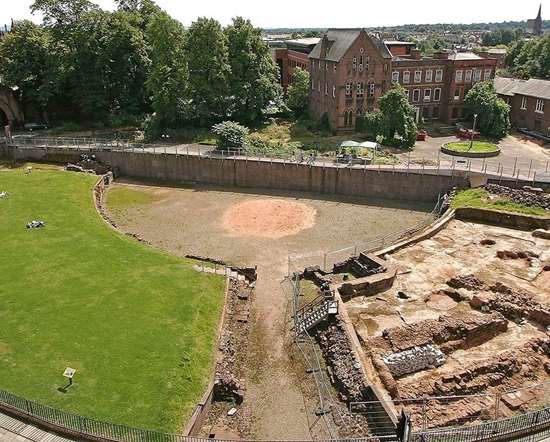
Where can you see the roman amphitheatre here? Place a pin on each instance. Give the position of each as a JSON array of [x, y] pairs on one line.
[[204, 307]]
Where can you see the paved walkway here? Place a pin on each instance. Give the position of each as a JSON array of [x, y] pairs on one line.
[[13, 430], [518, 156]]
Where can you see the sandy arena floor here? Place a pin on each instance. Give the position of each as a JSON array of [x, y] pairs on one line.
[[263, 229]]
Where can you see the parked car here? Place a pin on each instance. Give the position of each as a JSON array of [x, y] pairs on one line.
[[35, 126]]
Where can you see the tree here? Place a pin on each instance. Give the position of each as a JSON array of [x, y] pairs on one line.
[[298, 92], [253, 82], [167, 83], [493, 113], [230, 135], [209, 70], [27, 63], [395, 120], [530, 58]]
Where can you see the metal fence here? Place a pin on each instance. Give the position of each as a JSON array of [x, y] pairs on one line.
[[523, 168], [456, 414], [326, 259]]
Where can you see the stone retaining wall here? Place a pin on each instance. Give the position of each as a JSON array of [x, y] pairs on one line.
[[274, 175], [501, 218]]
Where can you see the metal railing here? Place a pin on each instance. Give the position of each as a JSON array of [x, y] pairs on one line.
[[524, 169], [326, 259]]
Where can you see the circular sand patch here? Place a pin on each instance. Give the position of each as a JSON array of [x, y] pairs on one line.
[[268, 218]]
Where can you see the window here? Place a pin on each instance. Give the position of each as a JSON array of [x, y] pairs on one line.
[[326, 65], [326, 88], [488, 73], [319, 86], [333, 91], [540, 106], [439, 75], [416, 95], [477, 74], [523, 103], [437, 94], [371, 89], [319, 65], [468, 76], [395, 77], [429, 75], [334, 67], [406, 77], [360, 89], [360, 63], [457, 94], [407, 93], [312, 85], [367, 63], [354, 62], [417, 76], [361, 50], [348, 88], [427, 94], [458, 76]]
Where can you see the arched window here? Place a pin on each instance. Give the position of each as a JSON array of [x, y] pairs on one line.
[[350, 118]]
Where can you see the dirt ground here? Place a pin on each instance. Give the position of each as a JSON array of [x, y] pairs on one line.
[[421, 294], [229, 225]]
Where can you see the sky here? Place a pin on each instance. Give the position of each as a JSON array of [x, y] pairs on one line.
[[324, 14]]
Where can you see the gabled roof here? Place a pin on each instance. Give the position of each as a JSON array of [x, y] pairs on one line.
[[531, 88], [535, 88], [507, 86], [340, 40]]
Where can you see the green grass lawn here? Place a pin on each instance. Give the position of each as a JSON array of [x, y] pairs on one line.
[[478, 146], [138, 324], [480, 198]]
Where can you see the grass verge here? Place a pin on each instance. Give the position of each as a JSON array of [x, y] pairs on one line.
[[478, 146], [137, 324], [480, 198]]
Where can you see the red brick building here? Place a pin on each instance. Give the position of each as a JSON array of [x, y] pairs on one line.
[[290, 55], [529, 102], [350, 69]]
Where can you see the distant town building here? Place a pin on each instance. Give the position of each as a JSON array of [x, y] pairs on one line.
[[529, 102], [534, 26], [351, 69]]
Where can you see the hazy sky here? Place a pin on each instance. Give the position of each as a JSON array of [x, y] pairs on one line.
[[308, 13]]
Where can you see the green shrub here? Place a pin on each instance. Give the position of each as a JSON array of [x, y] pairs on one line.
[[230, 135]]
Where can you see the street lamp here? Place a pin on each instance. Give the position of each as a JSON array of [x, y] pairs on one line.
[[473, 132]]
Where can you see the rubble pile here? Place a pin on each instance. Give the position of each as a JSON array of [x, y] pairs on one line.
[[414, 359], [88, 164], [228, 385], [514, 305], [532, 197], [342, 364]]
